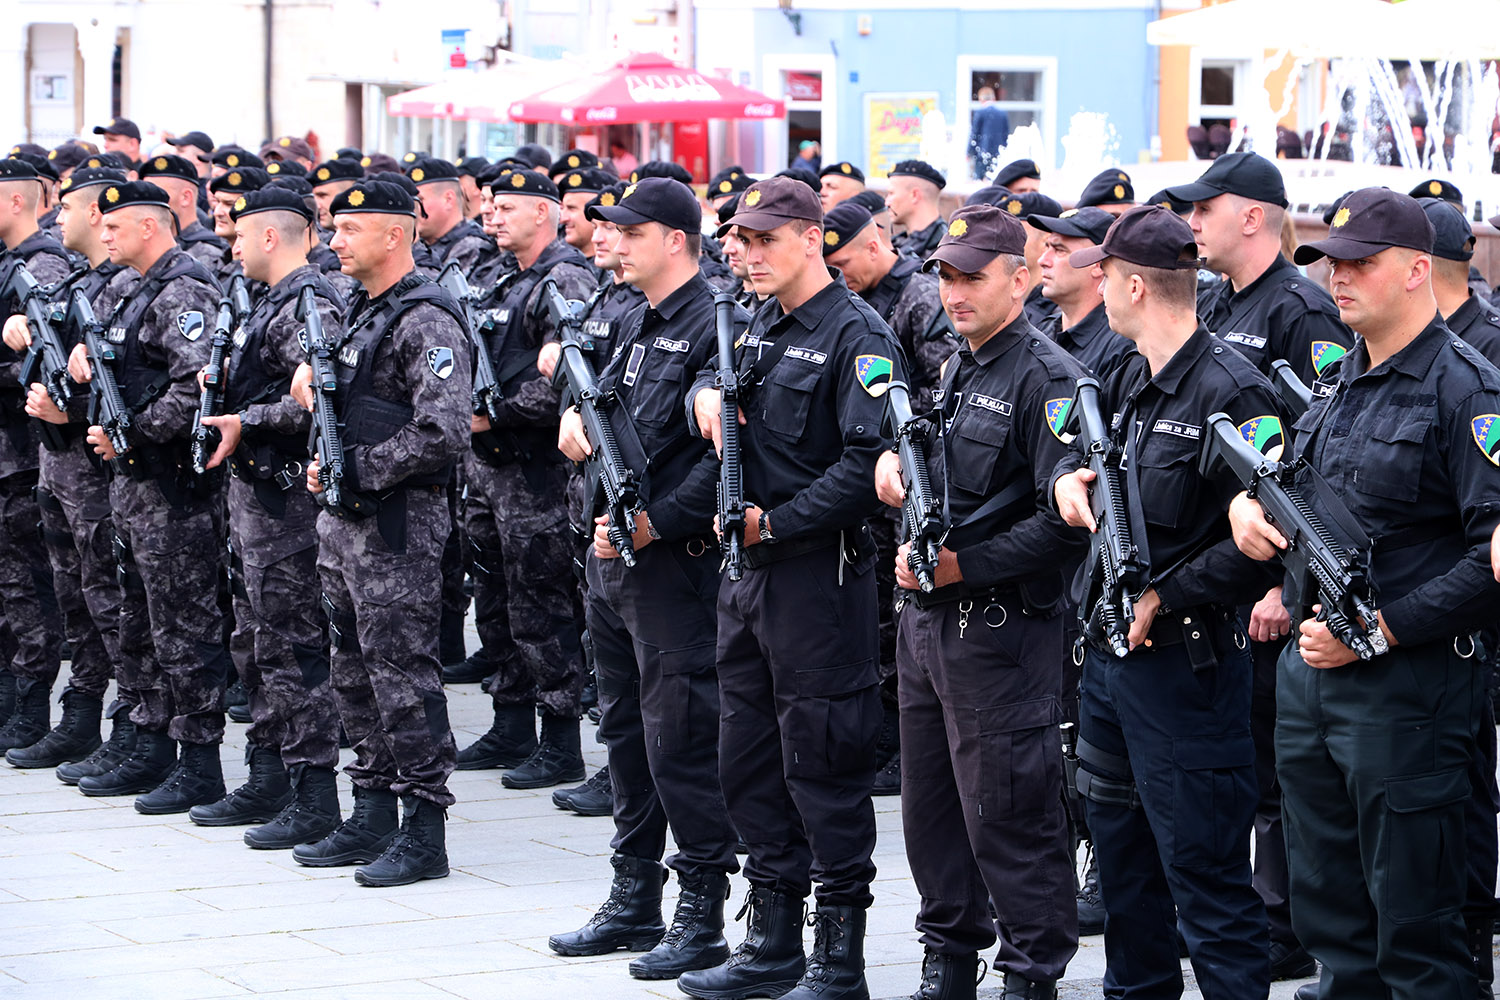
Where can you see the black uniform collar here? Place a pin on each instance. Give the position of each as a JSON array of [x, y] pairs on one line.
[[1094, 322], [165, 261], [1472, 310], [1170, 377], [1275, 272], [681, 296], [1414, 359], [1008, 336], [811, 312]]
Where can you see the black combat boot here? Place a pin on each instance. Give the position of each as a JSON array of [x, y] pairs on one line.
[[888, 778], [109, 755], [472, 670], [29, 719], [557, 758], [948, 977], [767, 963], [510, 741], [7, 694], [153, 756], [197, 781], [264, 794], [418, 851], [696, 938], [1482, 947], [630, 918], [1090, 903], [358, 840], [595, 797], [74, 738], [836, 967], [1021, 988], [311, 815]]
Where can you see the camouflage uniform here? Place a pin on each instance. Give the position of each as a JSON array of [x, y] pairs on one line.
[[168, 522], [206, 247], [524, 596], [273, 528], [31, 625], [465, 244], [380, 574]]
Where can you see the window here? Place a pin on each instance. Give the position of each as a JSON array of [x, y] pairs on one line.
[[1220, 83], [1025, 89], [1017, 92]]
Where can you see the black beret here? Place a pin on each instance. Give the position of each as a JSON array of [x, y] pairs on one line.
[[273, 198], [428, 169], [1023, 206], [412, 156], [922, 169], [727, 174], [724, 184], [117, 160], [843, 169], [726, 211], [236, 156], [661, 168], [842, 223], [1438, 188], [1164, 199], [282, 168], [472, 166], [289, 182], [536, 155], [243, 179], [173, 166], [528, 182], [573, 159], [992, 194], [349, 153], [14, 168], [68, 155], [874, 201], [43, 167], [804, 175], [607, 198], [397, 178], [90, 176], [584, 180], [117, 196], [377, 195], [1109, 187], [1015, 170], [337, 169]]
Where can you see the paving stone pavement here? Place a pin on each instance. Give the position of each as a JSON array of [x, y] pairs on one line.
[[100, 902]]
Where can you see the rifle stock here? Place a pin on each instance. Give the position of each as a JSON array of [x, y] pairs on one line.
[[486, 387]]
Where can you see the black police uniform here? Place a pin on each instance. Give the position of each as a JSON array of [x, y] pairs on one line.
[[1477, 321], [919, 243], [1097, 347], [1167, 759], [980, 669], [1042, 312], [1281, 315], [1374, 756]]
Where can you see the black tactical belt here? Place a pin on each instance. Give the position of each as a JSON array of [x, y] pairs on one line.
[[766, 553]]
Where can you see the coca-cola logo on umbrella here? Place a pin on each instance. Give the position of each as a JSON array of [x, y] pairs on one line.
[[669, 87]]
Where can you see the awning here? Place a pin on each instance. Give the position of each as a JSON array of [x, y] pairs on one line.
[[482, 95], [1320, 28], [644, 88]]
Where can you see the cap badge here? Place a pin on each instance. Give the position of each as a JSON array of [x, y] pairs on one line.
[[409, 157], [1069, 213], [160, 163], [364, 161], [233, 160], [285, 141], [1436, 187], [958, 227], [93, 163], [831, 238], [112, 195], [1341, 217], [517, 181], [607, 199], [418, 174], [1122, 177], [239, 205], [846, 168], [575, 180], [1119, 190], [573, 161], [323, 173], [52, 155], [67, 183], [752, 199], [1014, 207], [724, 187], [356, 198], [273, 168], [628, 192]]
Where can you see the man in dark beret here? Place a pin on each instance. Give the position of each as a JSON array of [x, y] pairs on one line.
[[178, 177], [839, 182], [913, 202], [1111, 190], [442, 225]]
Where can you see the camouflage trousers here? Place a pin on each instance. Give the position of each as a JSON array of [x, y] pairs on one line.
[[383, 602], [31, 622], [525, 593], [79, 536], [171, 628], [277, 598]]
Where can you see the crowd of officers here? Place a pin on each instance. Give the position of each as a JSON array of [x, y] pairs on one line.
[[756, 716]]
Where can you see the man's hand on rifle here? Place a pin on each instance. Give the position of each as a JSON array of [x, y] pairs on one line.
[[605, 549], [314, 485], [571, 440], [546, 358], [1253, 535], [100, 441], [888, 485], [947, 570], [1145, 613], [229, 431], [39, 404], [752, 525], [707, 406], [17, 333], [78, 364], [302, 386], [1072, 495]]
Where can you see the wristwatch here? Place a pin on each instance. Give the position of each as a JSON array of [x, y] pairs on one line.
[[765, 527], [651, 528]]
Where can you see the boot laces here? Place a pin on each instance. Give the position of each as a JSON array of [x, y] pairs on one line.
[[1089, 891], [619, 895], [755, 928], [827, 933], [599, 781], [692, 905]]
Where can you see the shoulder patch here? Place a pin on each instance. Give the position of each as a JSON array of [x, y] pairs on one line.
[[440, 360], [1057, 411], [874, 372], [1486, 428], [1265, 434], [190, 324], [1325, 353]]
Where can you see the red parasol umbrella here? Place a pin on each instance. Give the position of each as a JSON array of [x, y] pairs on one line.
[[644, 88]]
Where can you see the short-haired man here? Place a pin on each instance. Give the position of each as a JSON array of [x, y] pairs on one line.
[[178, 177], [121, 136], [443, 225], [915, 187], [838, 182]]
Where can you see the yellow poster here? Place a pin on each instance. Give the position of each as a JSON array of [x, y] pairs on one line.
[[895, 129]]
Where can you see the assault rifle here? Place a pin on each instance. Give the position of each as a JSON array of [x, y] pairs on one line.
[[486, 386], [324, 439], [1338, 568], [107, 407], [620, 485], [46, 360], [1289, 387], [731, 472], [923, 509], [234, 308]]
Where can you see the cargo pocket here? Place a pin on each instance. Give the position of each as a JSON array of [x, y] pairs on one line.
[[833, 735], [1213, 787], [788, 401], [682, 707], [1020, 756], [1422, 847], [1166, 468]]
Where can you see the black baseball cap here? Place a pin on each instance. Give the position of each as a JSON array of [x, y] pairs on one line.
[[1248, 175], [336, 169], [536, 155], [1014, 171], [1438, 188], [803, 175], [1147, 235], [843, 169], [118, 196], [270, 199], [976, 235], [382, 197], [1164, 199], [661, 168], [68, 155], [28, 148], [774, 202], [119, 126], [174, 167], [1108, 187], [1452, 236], [1333, 209], [922, 169], [655, 199], [1369, 221], [727, 209], [874, 201], [842, 223], [198, 140], [1088, 223]]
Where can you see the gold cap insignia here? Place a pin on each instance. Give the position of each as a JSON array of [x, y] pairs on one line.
[[234, 180], [752, 199], [1013, 207], [1122, 177], [635, 176], [575, 180], [233, 159], [957, 227], [409, 157], [285, 141], [274, 168], [52, 155], [607, 199], [1164, 204], [1119, 190], [517, 181], [93, 163], [160, 163], [1069, 213], [628, 192], [724, 187], [239, 205], [356, 197], [572, 161], [364, 161], [831, 238], [847, 169], [1436, 187], [322, 173], [67, 183], [1341, 217], [112, 195], [418, 175], [735, 174]]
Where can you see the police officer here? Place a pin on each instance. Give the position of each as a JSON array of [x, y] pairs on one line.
[[1167, 759], [272, 526], [1465, 312], [122, 136], [1041, 312], [442, 224], [653, 625], [29, 605], [1083, 328], [404, 393], [727, 183], [517, 513], [165, 517], [1110, 189], [1373, 756], [980, 656], [1447, 191], [838, 182], [578, 188], [73, 497], [329, 180], [915, 187], [1019, 176], [797, 644], [176, 176]]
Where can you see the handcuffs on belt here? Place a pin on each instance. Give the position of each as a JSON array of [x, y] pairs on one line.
[[988, 613]]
